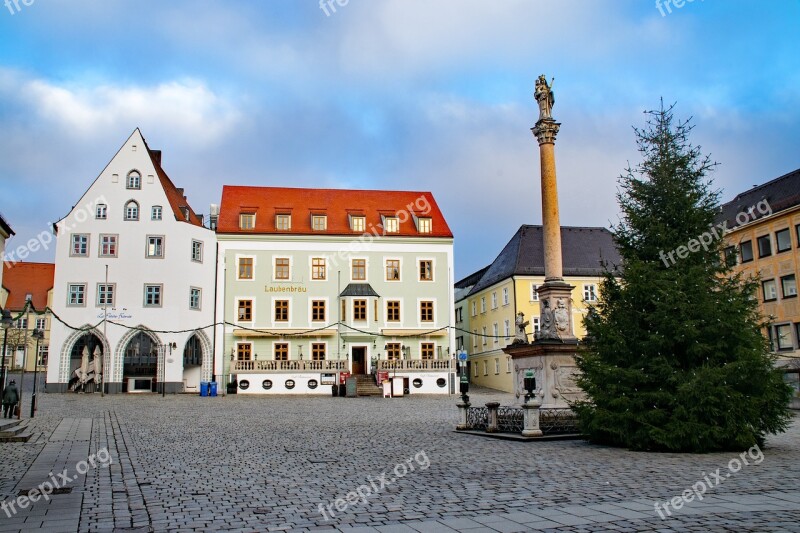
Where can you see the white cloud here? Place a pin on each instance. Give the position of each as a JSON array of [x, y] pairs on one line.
[[186, 108]]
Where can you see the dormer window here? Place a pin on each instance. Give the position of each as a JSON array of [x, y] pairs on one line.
[[283, 222], [358, 223], [424, 225], [134, 180], [319, 222], [247, 221], [391, 224]]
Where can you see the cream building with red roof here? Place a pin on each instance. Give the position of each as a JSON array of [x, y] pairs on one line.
[[317, 283]]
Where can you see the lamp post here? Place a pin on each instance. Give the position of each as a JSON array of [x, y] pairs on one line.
[[38, 334], [6, 322]]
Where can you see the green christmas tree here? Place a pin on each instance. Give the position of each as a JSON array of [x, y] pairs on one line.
[[675, 359]]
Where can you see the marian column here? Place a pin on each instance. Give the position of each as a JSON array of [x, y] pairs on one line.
[[555, 296]]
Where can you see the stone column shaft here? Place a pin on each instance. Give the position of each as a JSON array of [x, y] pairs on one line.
[[545, 132]]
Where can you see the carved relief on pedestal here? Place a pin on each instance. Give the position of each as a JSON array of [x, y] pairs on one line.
[[565, 382], [538, 372], [561, 317]]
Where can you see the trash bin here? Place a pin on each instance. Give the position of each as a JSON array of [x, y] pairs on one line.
[[203, 388], [232, 386], [335, 390], [212, 388]]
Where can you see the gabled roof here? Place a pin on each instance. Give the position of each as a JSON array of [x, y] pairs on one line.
[[359, 289], [5, 228], [21, 279], [177, 200], [338, 204], [781, 193], [584, 252]]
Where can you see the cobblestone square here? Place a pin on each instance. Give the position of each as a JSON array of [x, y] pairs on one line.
[[185, 463]]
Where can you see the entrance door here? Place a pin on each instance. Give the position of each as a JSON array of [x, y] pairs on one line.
[[359, 359]]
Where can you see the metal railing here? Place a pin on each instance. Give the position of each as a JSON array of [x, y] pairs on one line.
[[558, 422], [510, 419], [478, 418], [288, 366], [414, 364]]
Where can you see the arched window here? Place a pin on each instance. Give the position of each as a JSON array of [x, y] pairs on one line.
[[134, 180], [132, 211]]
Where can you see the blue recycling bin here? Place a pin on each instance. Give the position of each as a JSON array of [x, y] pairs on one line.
[[212, 389], [203, 388]]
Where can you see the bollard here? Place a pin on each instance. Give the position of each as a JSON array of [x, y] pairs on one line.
[[531, 417], [491, 425], [463, 409]]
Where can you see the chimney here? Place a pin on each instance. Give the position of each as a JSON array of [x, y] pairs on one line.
[[156, 155], [213, 217], [180, 191]]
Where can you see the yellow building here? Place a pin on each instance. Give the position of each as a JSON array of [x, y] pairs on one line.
[[23, 283], [763, 240], [508, 286]]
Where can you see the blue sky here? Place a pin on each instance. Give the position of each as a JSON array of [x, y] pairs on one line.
[[389, 94]]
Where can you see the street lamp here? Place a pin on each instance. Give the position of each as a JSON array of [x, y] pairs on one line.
[[38, 334], [6, 322]]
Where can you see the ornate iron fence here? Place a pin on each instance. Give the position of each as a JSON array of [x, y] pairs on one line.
[[478, 418], [510, 419], [558, 422]]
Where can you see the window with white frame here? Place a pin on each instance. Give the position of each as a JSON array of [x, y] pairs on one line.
[[247, 221], [494, 300], [507, 327], [41, 323], [134, 180], [505, 295], [391, 224], [425, 225], [535, 324], [43, 352], [80, 245], [474, 338], [319, 222], [508, 365], [283, 222], [496, 365], [590, 292], [132, 210], [101, 212], [194, 298], [485, 336], [483, 304], [152, 295], [534, 294], [105, 295], [474, 308], [358, 224], [197, 251], [156, 212], [76, 294], [485, 367], [108, 245], [495, 333], [475, 366], [155, 246]]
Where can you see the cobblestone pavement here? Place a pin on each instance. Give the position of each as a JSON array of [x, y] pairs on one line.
[[184, 463]]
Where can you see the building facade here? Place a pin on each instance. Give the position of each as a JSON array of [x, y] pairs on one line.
[[314, 284], [24, 283], [508, 287], [763, 240], [133, 288]]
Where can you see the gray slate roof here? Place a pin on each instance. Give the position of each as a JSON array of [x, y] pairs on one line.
[[781, 193], [359, 289], [584, 252]]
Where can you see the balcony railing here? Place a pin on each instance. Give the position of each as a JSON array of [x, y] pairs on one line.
[[288, 366], [414, 364]]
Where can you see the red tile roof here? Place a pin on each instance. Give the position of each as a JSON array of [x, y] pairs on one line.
[[175, 196], [22, 279], [337, 204]]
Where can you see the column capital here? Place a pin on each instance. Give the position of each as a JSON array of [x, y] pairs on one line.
[[546, 130]]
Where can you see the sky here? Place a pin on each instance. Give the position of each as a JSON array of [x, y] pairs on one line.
[[390, 94]]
